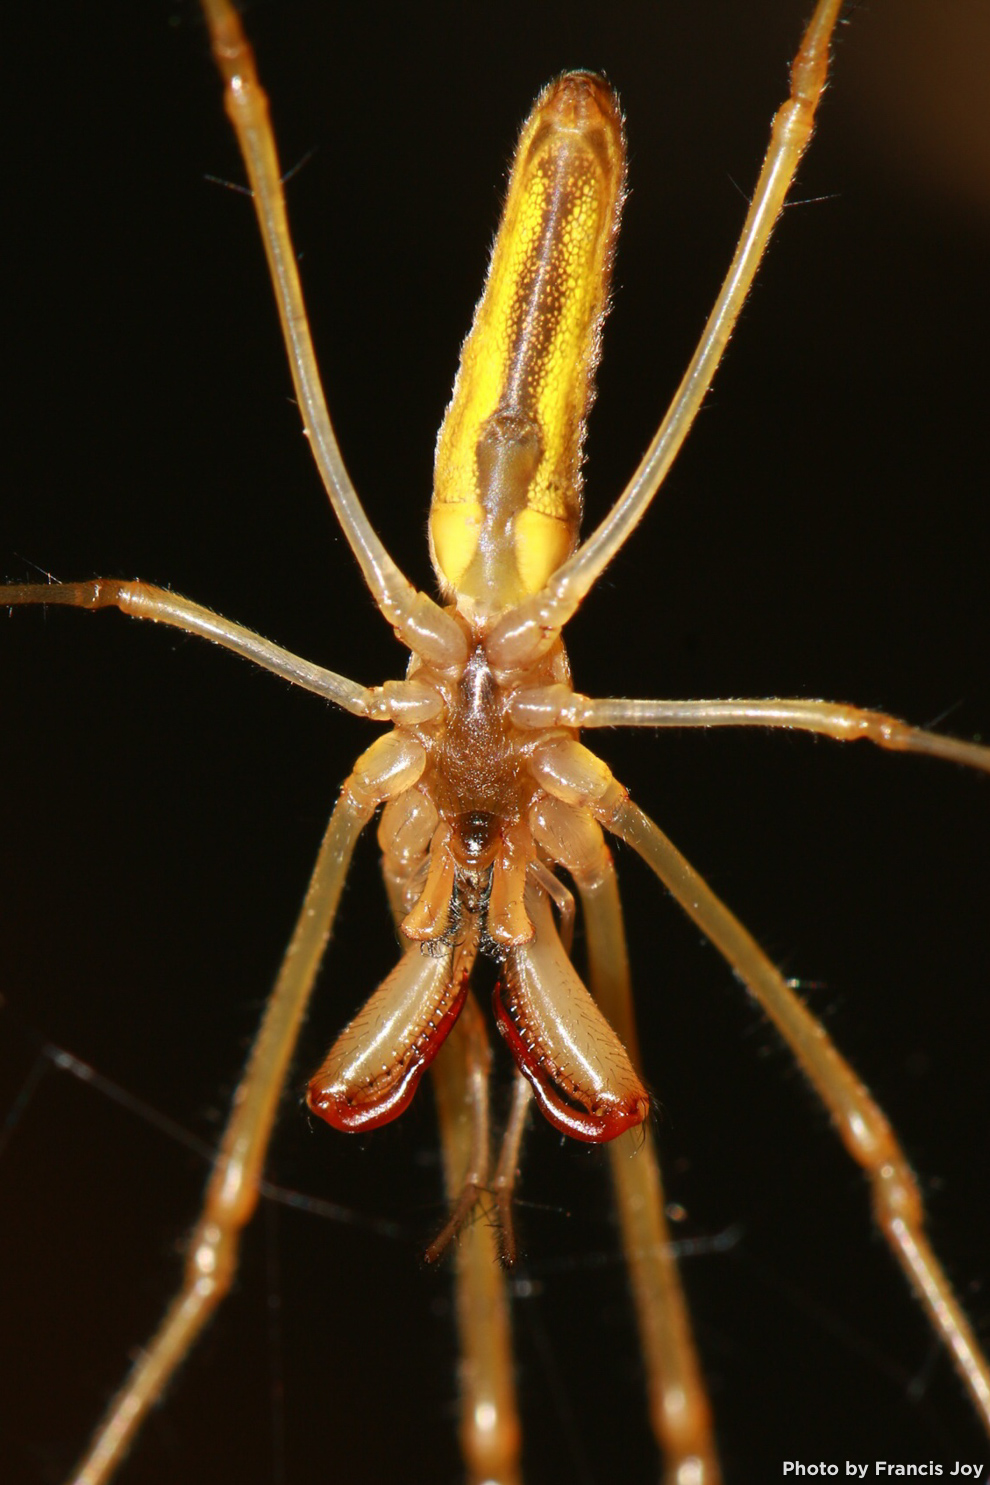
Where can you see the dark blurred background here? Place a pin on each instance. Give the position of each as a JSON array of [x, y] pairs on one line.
[[821, 535]]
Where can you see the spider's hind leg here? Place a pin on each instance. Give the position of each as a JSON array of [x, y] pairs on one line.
[[680, 1413], [489, 1419], [232, 1191], [859, 1122], [461, 1078]]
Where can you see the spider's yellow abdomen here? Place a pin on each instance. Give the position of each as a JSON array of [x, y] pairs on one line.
[[507, 485]]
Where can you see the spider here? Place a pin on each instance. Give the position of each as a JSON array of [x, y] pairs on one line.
[[807, 760]]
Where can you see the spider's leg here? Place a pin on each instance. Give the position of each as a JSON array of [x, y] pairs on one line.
[[558, 706], [861, 1125], [467, 1149], [530, 627], [561, 898], [395, 701], [507, 1170], [417, 619], [679, 1409], [490, 1432], [569, 772], [232, 1191]]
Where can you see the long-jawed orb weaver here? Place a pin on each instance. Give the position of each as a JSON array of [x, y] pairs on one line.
[[85, 864]]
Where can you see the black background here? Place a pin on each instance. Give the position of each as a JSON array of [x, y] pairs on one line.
[[821, 535]]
